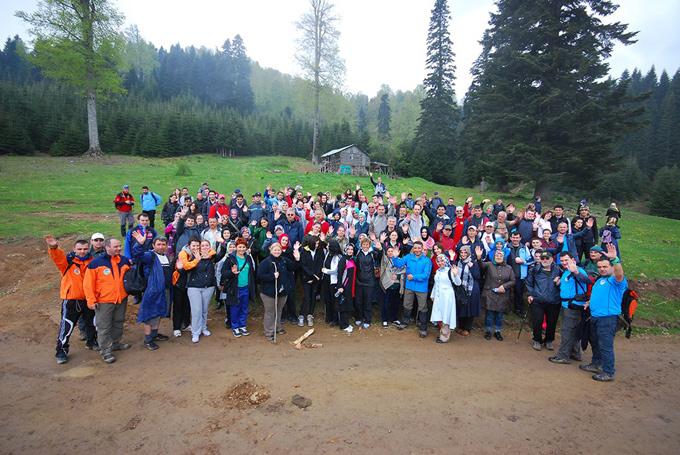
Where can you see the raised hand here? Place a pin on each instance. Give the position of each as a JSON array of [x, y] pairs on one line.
[[234, 269], [139, 237], [611, 251], [51, 241], [590, 223], [440, 226], [269, 235], [383, 237], [478, 252]]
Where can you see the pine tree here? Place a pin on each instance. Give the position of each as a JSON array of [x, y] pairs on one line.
[[435, 140], [363, 138], [539, 107], [384, 117]]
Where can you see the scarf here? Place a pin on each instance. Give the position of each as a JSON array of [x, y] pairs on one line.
[[465, 275]]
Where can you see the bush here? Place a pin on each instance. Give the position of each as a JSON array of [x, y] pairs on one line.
[[183, 170], [665, 195], [627, 184]]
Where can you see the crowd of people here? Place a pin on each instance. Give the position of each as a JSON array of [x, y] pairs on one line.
[[422, 260]]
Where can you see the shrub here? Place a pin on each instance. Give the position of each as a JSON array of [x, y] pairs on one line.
[[183, 170]]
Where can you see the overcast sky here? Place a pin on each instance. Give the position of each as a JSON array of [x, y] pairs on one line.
[[382, 41]]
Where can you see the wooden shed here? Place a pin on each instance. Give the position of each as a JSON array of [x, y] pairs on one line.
[[346, 160]]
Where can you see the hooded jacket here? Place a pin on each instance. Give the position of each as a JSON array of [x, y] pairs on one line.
[[103, 282], [72, 270]]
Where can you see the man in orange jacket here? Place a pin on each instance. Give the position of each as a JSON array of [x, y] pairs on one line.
[[73, 305], [106, 295]]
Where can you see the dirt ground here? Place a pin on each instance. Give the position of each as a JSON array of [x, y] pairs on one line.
[[374, 390]]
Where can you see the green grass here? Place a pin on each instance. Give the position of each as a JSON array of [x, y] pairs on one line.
[[69, 195], [659, 310]]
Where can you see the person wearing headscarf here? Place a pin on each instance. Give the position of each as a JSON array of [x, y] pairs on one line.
[[468, 304], [498, 282], [334, 272], [444, 298]]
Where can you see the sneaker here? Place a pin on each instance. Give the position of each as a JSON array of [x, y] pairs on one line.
[[121, 346], [498, 336], [62, 357], [439, 341], [555, 359], [357, 323], [399, 325], [244, 331], [348, 329], [310, 320], [366, 325], [537, 346], [590, 368], [549, 346], [422, 333], [195, 338], [301, 321], [187, 329], [280, 331], [206, 332], [177, 333], [151, 345], [236, 332], [270, 339], [161, 337], [108, 357], [487, 336], [603, 377], [385, 325], [93, 347]]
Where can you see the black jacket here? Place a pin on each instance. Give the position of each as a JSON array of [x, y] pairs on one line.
[[366, 264], [229, 280], [541, 284], [311, 266], [265, 275]]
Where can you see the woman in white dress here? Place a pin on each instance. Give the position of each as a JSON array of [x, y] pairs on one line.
[[444, 298]]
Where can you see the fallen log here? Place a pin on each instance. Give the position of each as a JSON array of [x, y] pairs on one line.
[[298, 343]]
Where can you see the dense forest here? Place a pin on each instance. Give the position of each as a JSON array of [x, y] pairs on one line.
[[616, 134]]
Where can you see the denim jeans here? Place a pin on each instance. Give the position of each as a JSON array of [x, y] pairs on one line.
[[493, 319], [602, 331]]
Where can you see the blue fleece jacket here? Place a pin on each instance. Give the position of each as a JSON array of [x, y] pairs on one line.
[[419, 267]]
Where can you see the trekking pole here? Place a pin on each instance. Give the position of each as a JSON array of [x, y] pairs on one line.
[[521, 326], [276, 301]]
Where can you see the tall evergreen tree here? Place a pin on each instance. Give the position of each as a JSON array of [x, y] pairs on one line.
[[244, 100], [540, 108], [435, 140], [384, 117], [363, 140]]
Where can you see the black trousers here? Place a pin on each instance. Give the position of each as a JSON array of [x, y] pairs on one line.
[[181, 311], [327, 291], [152, 216], [465, 323], [290, 309], [310, 291], [519, 296], [71, 312], [364, 301], [345, 306], [551, 311]]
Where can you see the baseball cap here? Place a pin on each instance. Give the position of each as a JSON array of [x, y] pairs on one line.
[[97, 235], [221, 196], [257, 194], [126, 187], [436, 193], [472, 226], [489, 223], [546, 255], [237, 191]]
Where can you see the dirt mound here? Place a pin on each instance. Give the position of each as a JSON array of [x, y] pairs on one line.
[[669, 289], [246, 395]]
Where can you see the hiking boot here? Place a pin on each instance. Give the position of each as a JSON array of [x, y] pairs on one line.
[[536, 345], [549, 346], [590, 368], [161, 337], [108, 357], [310, 320], [555, 359], [498, 336], [121, 346], [151, 345], [62, 357], [603, 377], [487, 336], [301, 321]]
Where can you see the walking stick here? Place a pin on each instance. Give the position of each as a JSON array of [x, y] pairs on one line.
[[276, 300]]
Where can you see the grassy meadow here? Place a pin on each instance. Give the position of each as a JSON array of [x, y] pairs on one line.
[[71, 195]]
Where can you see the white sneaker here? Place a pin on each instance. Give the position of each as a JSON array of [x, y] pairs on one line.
[[357, 323], [194, 338], [177, 333], [366, 325], [348, 329], [310, 320], [206, 333], [301, 321], [385, 325]]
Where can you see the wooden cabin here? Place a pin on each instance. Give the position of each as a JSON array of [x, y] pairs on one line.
[[346, 160]]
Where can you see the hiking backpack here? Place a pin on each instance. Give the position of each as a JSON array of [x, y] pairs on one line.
[[629, 304], [134, 280]]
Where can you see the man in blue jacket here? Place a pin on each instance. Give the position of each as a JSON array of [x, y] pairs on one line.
[[605, 308], [566, 242], [292, 227], [573, 290], [418, 268], [543, 289], [150, 201]]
